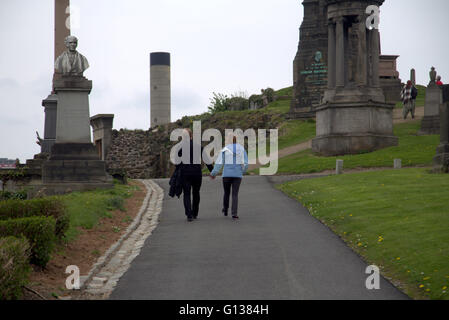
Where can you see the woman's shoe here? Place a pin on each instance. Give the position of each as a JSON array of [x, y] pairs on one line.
[[189, 218], [225, 212], [235, 218]]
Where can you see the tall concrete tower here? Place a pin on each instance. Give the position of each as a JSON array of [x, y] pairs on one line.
[[160, 88]]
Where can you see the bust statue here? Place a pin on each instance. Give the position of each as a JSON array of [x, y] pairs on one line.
[[71, 62], [433, 75]]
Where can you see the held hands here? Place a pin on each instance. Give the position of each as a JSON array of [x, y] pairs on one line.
[[212, 177]]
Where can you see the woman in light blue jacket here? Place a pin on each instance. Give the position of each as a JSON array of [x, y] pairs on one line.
[[233, 159]]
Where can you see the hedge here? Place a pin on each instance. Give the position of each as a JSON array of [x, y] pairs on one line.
[[40, 233], [48, 207], [6, 195], [14, 267]]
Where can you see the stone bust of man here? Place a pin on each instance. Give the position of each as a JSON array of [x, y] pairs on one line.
[[71, 62]]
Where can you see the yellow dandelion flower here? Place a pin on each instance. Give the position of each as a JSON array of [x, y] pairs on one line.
[[421, 286], [398, 258], [426, 278], [427, 290], [359, 244], [444, 288]]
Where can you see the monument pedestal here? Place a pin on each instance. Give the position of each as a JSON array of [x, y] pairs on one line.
[[441, 160], [431, 121], [353, 128], [50, 104], [430, 125], [74, 162]]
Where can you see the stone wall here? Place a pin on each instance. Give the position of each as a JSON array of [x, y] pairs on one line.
[[137, 152]]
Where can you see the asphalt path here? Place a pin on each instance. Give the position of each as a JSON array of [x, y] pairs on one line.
[[276, 251]]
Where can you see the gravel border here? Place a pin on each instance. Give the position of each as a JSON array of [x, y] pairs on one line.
[[105, 273]]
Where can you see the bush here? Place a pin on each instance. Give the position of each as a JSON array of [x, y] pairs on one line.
[[6, 195], [40, 232], [269, 92], [48, 207], [14, 267], [115, 202]]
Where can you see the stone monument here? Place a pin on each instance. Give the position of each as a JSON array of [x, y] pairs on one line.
[[389, 78], [441, 160], [73, 157], [413, 76], [160, 83], [354, 116], [310, 64], [431, 122], [102, 129], [50, 104]]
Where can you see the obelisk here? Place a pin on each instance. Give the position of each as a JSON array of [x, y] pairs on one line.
[[62, 26], [413, 76], [61, 31]]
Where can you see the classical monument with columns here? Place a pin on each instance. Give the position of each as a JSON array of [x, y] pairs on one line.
[[354, 116]]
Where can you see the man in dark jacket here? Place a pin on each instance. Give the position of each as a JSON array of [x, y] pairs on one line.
[[192, 178]]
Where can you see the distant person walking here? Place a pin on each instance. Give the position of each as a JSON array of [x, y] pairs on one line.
[[439, 82], [408, 96], [233, 159], [191, 179]]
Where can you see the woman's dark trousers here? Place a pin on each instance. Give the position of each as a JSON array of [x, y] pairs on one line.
[[191, 186], [234, 184]]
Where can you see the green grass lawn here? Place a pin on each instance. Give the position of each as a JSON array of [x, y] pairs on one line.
[[396, 219], [414, 150], [293, 132], [86, 208]]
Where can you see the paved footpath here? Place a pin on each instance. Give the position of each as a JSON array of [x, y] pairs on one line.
[[275, 251]]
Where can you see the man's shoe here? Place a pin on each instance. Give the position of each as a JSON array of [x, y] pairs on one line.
[[195, 217], [235, 217], [225, 213], [189, 219]]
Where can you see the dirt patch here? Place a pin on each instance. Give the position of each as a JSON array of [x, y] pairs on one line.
[[84, 250]]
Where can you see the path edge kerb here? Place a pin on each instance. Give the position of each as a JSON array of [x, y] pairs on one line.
[[103, 260]]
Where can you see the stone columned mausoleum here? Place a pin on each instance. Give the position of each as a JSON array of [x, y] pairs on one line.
[[354, 116]]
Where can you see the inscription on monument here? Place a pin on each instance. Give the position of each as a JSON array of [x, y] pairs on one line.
[[310, 64], [314, 77]]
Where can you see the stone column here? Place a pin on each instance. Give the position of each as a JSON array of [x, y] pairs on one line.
[[340, 53], [160, 83], [413, 76], [375, 52], [61, 30], [362, 65], [331, 81]]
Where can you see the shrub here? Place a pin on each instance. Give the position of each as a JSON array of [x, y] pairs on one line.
[[6, 195], [14, 267], [115, 202], [40, 232], [269, 92], [48, 207]]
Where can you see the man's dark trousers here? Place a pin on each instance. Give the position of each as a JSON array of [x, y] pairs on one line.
[[233, 183], [192, 185]]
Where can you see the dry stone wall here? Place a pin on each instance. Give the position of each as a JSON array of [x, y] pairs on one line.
[[145, 154]]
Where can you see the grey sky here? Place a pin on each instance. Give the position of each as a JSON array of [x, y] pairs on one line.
[[216, 46]]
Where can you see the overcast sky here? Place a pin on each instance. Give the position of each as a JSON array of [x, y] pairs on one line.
[[216, 46]]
